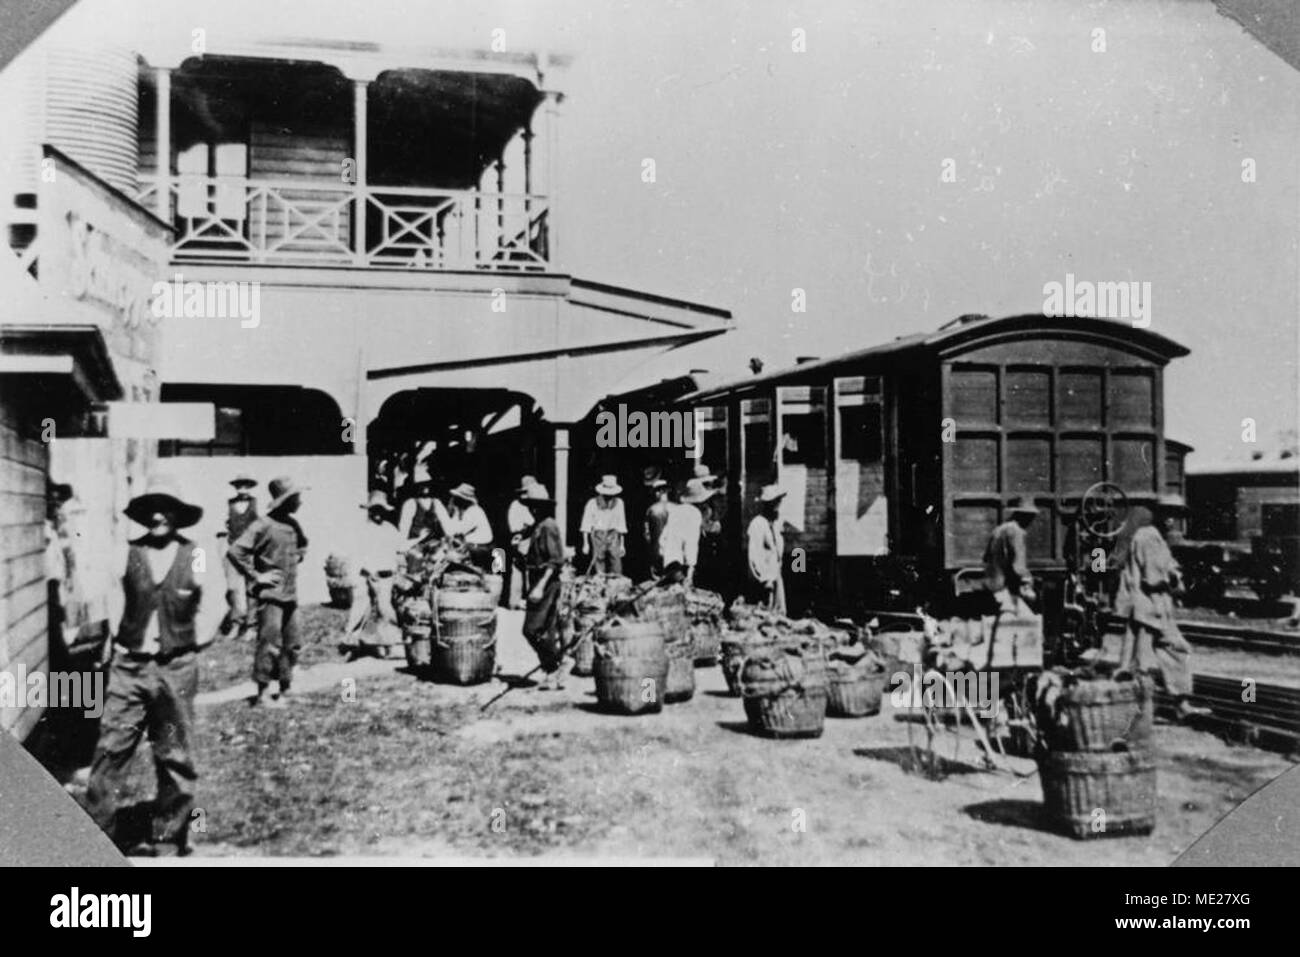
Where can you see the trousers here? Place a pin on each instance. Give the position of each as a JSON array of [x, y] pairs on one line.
[[277, 642], [157, 699]]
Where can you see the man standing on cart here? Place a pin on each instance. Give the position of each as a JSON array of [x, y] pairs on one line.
[[1006, 561]]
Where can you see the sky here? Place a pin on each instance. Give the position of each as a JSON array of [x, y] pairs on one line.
[[820, 169]]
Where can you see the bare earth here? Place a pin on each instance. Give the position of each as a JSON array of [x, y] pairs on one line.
[[409, 768]]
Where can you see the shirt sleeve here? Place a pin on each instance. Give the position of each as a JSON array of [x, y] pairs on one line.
[[244, 549], [620, 517], [757, 550], [588, 516], [1020, 554], [116, 595], [691, 546]]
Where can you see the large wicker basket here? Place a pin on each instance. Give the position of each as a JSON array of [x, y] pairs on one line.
[[1095, 794], [631, 667], [464, 645], [1104, 715], [855, 691], [681, 672], [785, 692]]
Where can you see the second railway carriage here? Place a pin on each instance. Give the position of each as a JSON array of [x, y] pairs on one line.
[[900, 459]]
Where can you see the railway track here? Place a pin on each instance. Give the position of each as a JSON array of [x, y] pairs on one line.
[[1270, 720], [1242, 638]]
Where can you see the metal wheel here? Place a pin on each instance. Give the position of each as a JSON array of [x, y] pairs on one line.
[[1103, 510]]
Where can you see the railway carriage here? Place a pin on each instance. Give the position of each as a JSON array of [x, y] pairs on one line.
[[900, 459]]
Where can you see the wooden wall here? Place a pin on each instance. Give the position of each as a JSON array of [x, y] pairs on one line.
[[23, 616]]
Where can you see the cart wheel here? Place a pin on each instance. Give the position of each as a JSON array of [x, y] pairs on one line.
[[1104, 510]]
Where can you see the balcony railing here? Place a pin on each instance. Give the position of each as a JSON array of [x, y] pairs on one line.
[[315, 222]]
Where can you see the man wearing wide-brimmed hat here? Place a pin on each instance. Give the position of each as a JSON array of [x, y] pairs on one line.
[[1006, 560], [656, 520], [604, 526], [519, 519], [679, 542], [153, 675], [241, 512], [268, 555], [765, 547], [546, 556], [466, 521], [419, 518], [1148, 580]]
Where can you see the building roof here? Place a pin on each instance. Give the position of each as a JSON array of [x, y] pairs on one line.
[[1276, 465], [958, 334]]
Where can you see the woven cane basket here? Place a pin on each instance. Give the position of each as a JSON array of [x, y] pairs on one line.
[[1098, 793], [1104, 715], [631, 667], [785, 692], [464, 644]]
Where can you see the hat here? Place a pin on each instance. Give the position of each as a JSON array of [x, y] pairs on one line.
[[696, 491], [465, 492], [282, 489], [657, 483], [1023, 506], [771, 493], [160, 495], [1172, 501], [525, 483], [243, 480], [377, 499], [537, 494], [609, 485]]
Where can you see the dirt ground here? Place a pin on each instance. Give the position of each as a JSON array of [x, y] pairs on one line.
[[407, 768]]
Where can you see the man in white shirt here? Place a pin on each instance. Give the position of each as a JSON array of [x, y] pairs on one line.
[[680, 540], [519, 519], [604, 526], [766, 551], [466, 520]]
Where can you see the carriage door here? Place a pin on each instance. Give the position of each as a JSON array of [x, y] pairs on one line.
[[861, 508], [801, 463]]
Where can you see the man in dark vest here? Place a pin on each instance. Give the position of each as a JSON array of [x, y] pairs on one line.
[[267, 555], [153, 675], [418, 520], [241, 513]]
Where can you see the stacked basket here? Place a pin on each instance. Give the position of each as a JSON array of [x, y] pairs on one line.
[[464, 616], [1097, 764], [786, 690], [584, 604], [704, 611], [856, 679], [667, 606]]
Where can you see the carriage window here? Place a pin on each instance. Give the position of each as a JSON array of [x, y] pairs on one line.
[[758, 449], [861, 433], [712, 450], [1132, 397], [974, 395], [1080, 396], [803, 439]]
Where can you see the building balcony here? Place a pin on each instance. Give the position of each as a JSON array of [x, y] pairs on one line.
[[308, 222]]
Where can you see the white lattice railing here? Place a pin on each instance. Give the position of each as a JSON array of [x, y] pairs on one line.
[[305, 222]]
